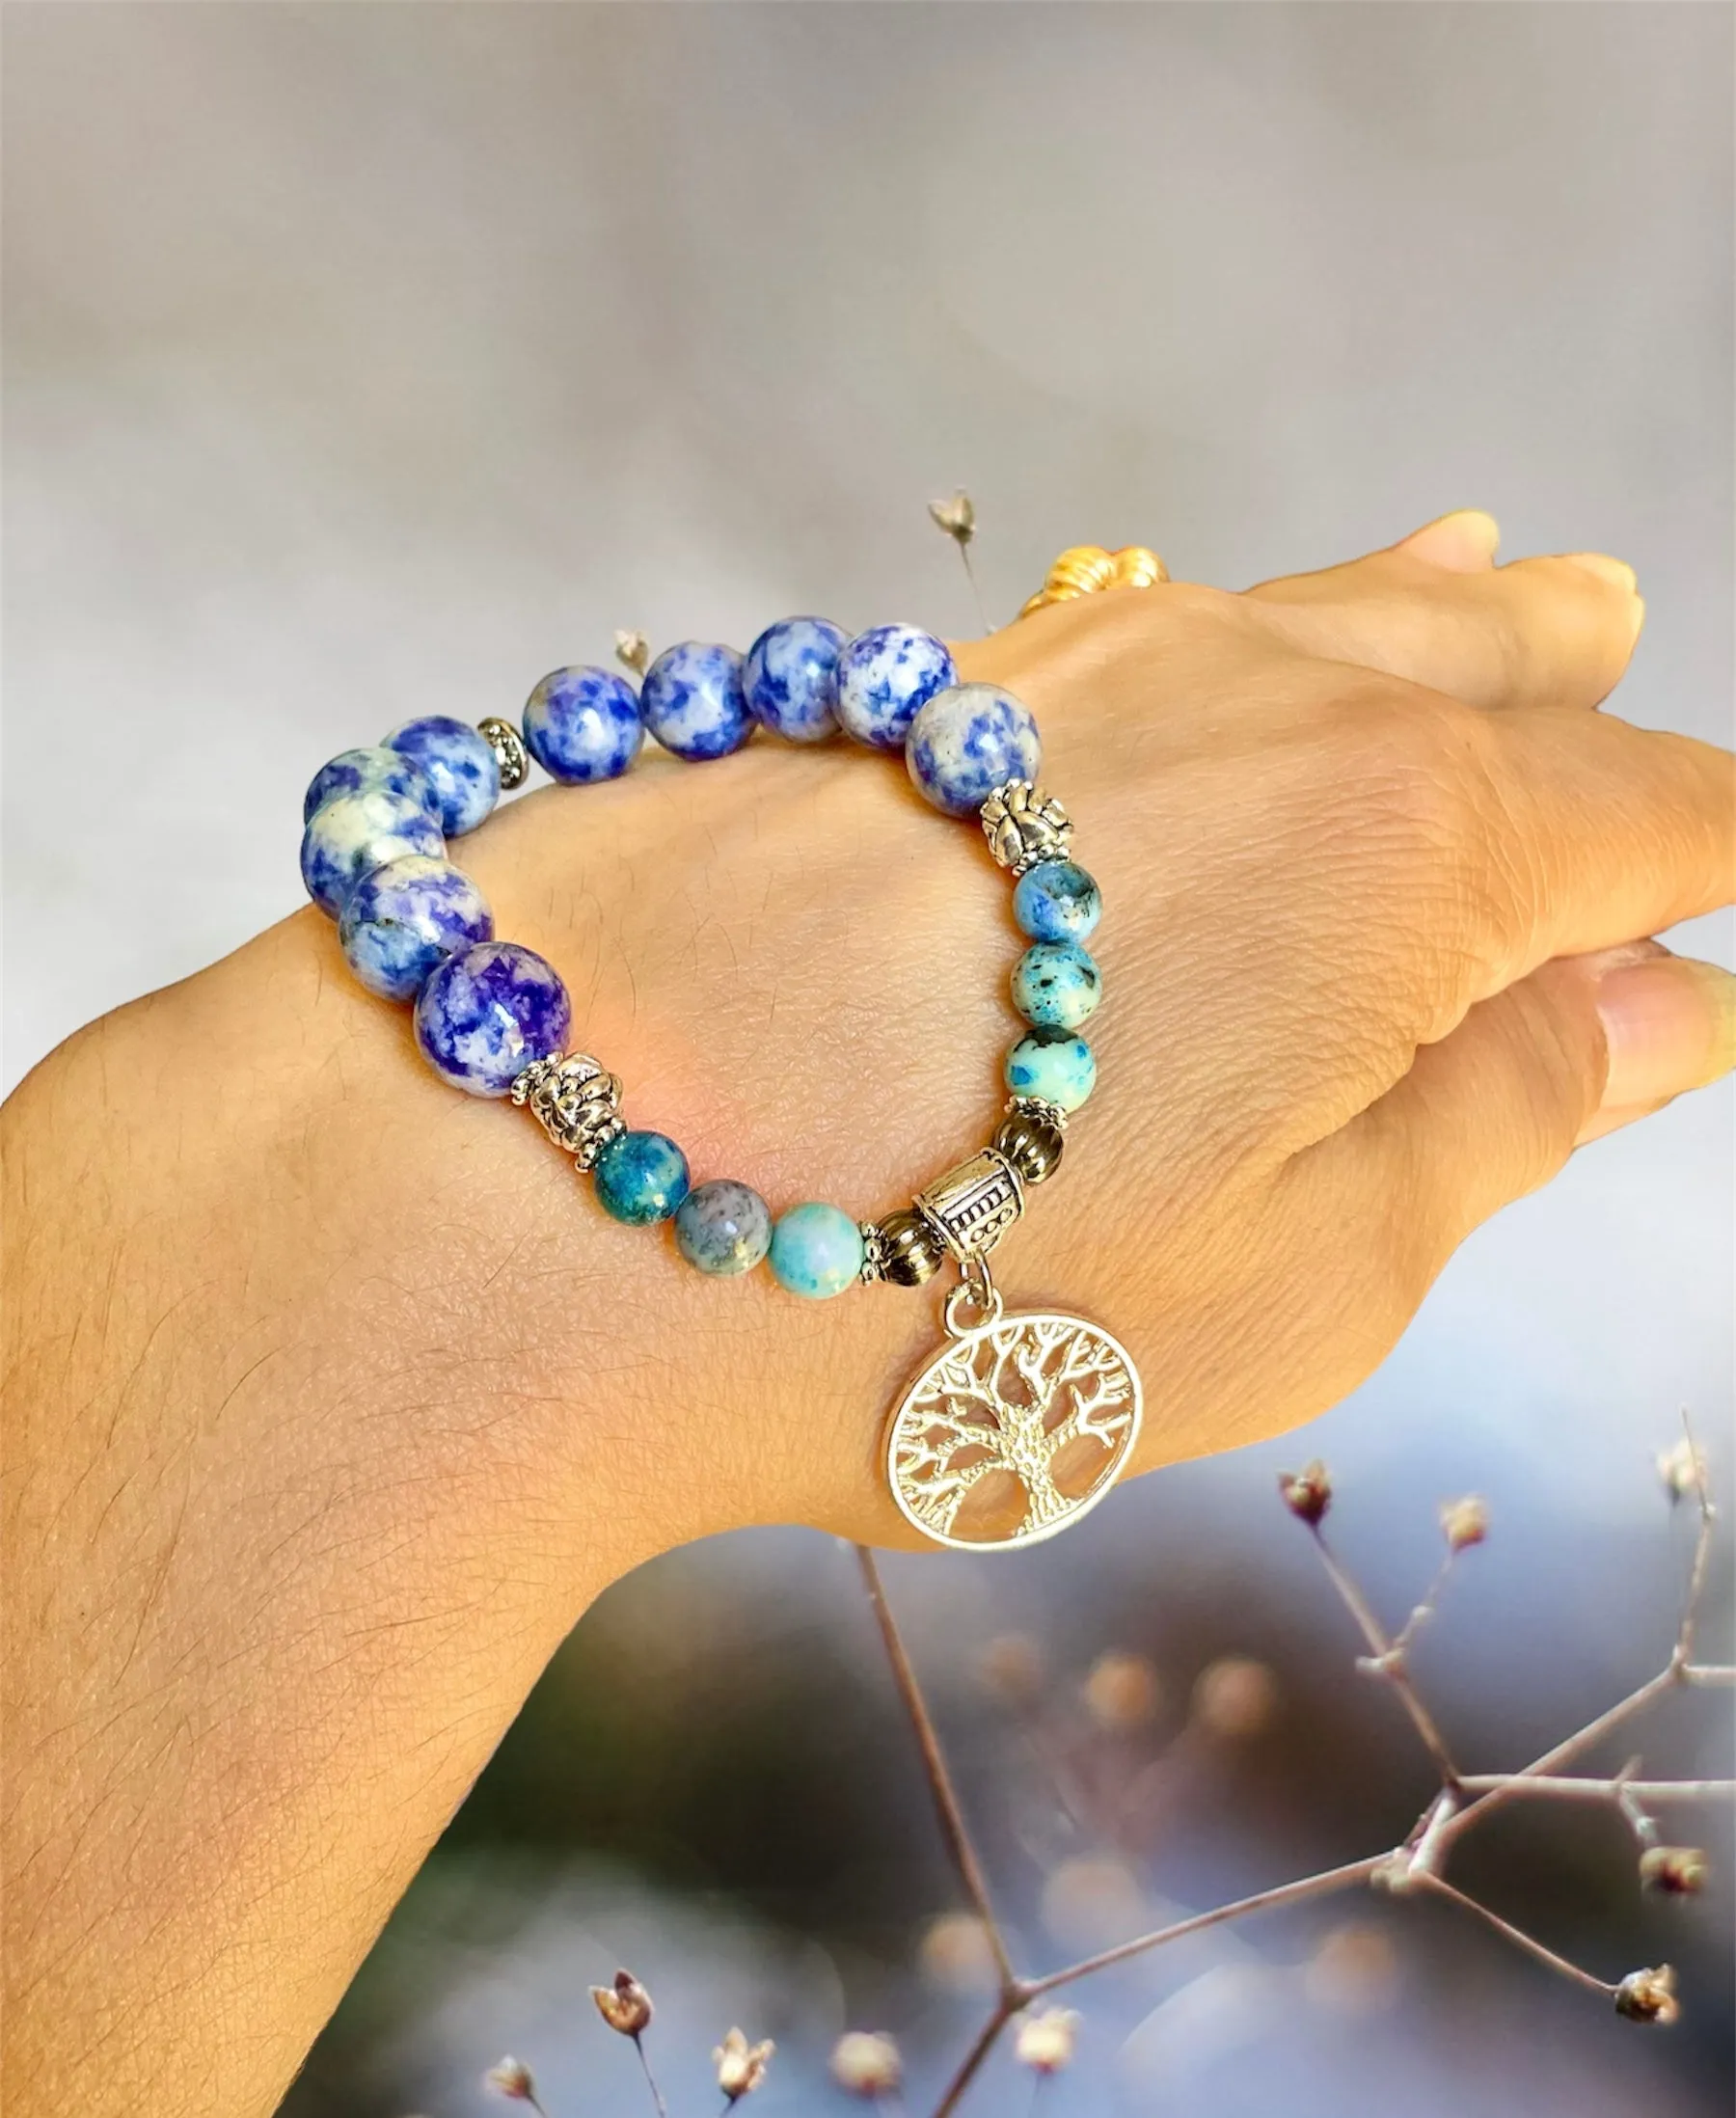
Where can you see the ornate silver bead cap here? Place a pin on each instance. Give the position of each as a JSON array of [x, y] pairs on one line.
[[575, 1100], [1024, 826], [508, 747]]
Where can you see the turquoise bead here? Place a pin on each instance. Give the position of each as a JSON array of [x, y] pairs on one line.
[[1057, 901], [1056, 985], [640, 1178], [1055, 1065], [816, 1251], [724, 1227]]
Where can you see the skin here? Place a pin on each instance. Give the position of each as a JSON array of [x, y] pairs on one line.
[[332, 1402]]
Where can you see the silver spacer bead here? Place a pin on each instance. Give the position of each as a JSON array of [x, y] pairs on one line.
[[575, 1100], [508, 747], [1024, 826], [874, 1253], [1036, 1107], [972, 1205]]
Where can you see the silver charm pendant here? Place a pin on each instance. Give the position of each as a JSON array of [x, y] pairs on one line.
[[1016, 1428]]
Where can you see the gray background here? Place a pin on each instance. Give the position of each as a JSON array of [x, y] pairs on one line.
[[363, 361]]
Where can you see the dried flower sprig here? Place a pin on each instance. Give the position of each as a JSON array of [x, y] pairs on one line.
[[626, 2007], [741, 2066]]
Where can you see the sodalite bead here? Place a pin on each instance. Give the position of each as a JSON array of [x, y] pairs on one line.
[[790, 678], [724, 1227], [885, 676], [691, 700], [485, 1014], [459, 761], [406, 917], [349, 834], [965, 740], [816, 1251], [357, 771], [640, 1178], [583, 724], [1056, 985], [1053, 1065], [1057, 901]]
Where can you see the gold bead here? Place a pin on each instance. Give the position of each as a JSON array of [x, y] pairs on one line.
[[1031, 1143], [1083, 569], [910, 1249]]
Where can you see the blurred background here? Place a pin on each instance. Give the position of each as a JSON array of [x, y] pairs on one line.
[[369, 360]]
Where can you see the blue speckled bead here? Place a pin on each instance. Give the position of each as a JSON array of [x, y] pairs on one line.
[[358, 772], [349, 834], [885, 676], [790, 678], [1054, 1065], [583, 724], [1057, 901], [964, 742], [485, 1014], [691, 700], [401, 920], [724, 1227], [1056, 985], [464, 769], [640, 1178], [816, 1251]]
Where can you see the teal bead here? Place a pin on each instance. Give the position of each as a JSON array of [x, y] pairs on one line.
[[1057, 901], [1054, 1066], [640, 1178], [1056, 985], [724, 1227], [816, 1251]]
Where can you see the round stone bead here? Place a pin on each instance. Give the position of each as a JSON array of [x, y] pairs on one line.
[[1056, 985], [461, 763], [360, 771], [1052, 1066], [691, 700], [402, 919], [885, 676], [817, 1251], [482, 1015], [640, 1178], [964, 742], [1057, 901], [724, 1227], [790, 678], [583, 724], [349, 834]]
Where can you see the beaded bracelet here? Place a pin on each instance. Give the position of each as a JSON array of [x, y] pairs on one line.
[[1020, 1423]]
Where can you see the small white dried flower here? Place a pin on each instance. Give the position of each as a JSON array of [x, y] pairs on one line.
[[513, 2078], [1045, 2042], [1121, 1692], [1464, 1522], [956, 516], [1307, 1493], [632, 650], [741, 2066], [625, 2006], [1683, 1471], [1011, 1668], [1649, 1996], [865, 2063], [1234, 1698], [1675, 1871]]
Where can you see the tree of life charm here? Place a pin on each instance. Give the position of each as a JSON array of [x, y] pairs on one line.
[[1015, 1429]]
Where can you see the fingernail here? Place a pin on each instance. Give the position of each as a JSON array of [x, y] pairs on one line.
[[1668, 1024], [1616, 572], [1464, 542]]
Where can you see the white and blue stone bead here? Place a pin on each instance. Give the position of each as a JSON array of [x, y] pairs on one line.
[[350, 835], [460, 762], [640, 1178], [692, 702], [1057, 901], [1052, 1066], [885, 676], [817, 1251], [401, 920], [967, 741], [358, 772], [483, 1014], [1056, 985], [724, 1227], [790, 678], [583, 724]]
